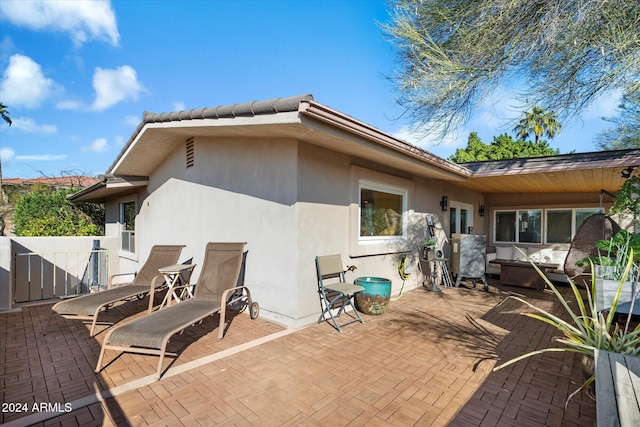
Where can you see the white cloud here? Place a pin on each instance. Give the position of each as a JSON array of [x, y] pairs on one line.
[[132, 120], [179, 106], [100, 145], [42, 157], [115, 85], [29, 125], [23, 83], [605, 106], [69, 105], [6, 154], [82, 20]]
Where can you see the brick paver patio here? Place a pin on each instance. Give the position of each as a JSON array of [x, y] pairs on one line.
[[427, 361]]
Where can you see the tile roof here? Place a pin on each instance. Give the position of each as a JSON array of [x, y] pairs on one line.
[[247, 109]]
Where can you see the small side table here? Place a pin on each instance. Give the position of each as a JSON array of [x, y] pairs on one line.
[[176, 275]]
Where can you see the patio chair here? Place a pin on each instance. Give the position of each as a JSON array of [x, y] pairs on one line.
[[146, 281], [594, 228], [335, 293], [151, 333]]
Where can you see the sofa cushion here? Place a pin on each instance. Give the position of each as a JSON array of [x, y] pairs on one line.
[[520, 256], [504, 252], [541, 255], [558, 257]]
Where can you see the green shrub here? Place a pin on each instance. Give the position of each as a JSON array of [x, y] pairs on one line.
[[48, 213]]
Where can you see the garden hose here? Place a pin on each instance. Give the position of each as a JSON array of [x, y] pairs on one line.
[[403, 275]]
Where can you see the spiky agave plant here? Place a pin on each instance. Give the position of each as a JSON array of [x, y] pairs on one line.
[[588, 329]]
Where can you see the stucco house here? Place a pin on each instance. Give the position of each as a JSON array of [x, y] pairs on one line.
[[296, 179]]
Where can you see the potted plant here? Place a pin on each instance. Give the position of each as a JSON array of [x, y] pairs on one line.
[[428, 245], [588, 329], [613, 255]]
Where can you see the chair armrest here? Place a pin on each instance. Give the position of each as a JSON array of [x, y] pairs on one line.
[[154, 286], [225, 294], [110, 281]]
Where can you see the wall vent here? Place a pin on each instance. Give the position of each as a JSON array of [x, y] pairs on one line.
[[190, 153]]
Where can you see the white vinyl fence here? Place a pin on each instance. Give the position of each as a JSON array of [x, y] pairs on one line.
[[44, 275]]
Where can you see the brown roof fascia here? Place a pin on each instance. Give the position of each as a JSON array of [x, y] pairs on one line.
[[562, 162], [334, 117]]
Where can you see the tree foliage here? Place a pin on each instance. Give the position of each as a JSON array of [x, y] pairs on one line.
[[539, 122], [502, 147], [453, 53], [626, 132], [4, 113], [46, 212]]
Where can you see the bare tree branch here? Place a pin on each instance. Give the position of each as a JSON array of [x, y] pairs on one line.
[[453, 53]]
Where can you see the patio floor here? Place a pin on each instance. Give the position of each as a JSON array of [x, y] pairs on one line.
[[427, 361]]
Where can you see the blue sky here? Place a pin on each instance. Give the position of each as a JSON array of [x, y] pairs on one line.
[[78, 75]]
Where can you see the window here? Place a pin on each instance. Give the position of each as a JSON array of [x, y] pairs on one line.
[[128, 224], [505, 227], [528, 224], [562, 224], [382, 211], [559, 228], [583, 214]]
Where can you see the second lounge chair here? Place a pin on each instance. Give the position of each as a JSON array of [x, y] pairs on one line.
[[217, 281], [146, 281]]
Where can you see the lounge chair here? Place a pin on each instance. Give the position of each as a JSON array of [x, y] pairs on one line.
[[217, 281], [146, 281]]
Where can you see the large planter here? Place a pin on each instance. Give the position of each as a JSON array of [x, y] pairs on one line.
[[605, 271], [374, 299], [606, 292]]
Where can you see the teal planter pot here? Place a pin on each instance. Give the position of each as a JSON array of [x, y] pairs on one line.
[[374, 299]]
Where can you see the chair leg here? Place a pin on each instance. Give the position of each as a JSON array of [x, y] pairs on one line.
[[353, 307], [46, 327], [333, 318], [93, 322], [160, 363], [223, 310], [99, 364], [346, 300]]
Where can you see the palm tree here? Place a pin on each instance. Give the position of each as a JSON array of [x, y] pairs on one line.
[[4, 113], [539, 122]]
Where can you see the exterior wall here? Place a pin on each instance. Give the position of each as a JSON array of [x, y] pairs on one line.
[[328, 219], [238, 190], [290, 201]]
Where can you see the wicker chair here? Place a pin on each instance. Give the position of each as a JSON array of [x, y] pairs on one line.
[[596, 227]]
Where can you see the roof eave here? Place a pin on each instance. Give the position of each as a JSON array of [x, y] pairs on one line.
[[108, 187], [343, 121]]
